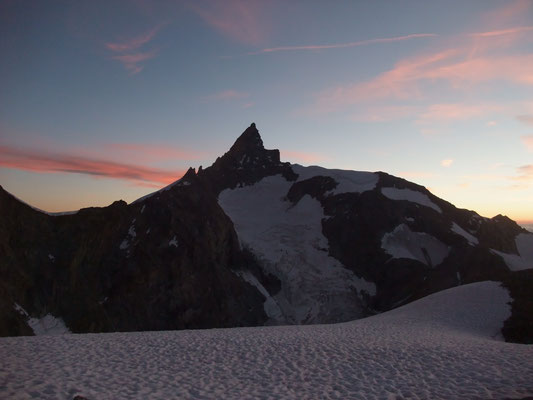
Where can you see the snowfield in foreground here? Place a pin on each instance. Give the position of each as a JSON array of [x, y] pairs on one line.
[[445, 346]]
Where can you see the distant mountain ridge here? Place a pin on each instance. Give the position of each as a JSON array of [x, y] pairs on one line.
[[250, 241]]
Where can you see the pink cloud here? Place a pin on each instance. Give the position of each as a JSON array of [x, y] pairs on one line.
[[528, 141], [241, 20], [525, 173], [526, 119], [38, 161], [513, 68], [461, 63], [128, 50], [454, 66], [227, 95], [504, 32], [305, 157], [131, 61], [133, 43], [399, 83], [455, 111], [510, 12], [343, 45]]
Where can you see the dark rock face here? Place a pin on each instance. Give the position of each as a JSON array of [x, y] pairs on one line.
[[172, 260], [163, 263]]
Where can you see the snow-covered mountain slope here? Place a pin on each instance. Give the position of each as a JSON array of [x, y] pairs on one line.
[[345, 243], [442, 347], [287, 238]]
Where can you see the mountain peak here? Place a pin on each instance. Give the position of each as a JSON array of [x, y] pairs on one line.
[[246, 162], [250, 141]]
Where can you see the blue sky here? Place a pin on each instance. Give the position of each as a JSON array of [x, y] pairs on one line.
[[107, 100]]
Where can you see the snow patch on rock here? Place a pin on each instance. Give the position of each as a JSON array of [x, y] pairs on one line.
[[271, 307], [173, 242], [347, 181], [524, 258], [125, 244], [47, 325], [288, 241], [420, 246], [472, 240], [409, 195], [20, 310]]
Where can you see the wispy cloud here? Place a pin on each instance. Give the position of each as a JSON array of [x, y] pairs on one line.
[[508, 13], [128, 51], [525, 173], [504, 32], [134, 43], [343, 45], [131, 61], [456, 111], [37, 161], [458, 63], [526, 119], [454, 66], [226, 95], [241, 20], [528, 142], [447, 163]]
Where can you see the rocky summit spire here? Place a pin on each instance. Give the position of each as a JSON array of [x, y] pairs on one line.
[[246, 162], [248, 150], [249, 142]]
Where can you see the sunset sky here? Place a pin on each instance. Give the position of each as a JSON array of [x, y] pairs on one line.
[[108, 100]]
